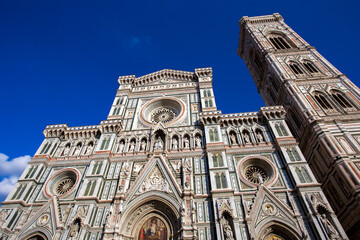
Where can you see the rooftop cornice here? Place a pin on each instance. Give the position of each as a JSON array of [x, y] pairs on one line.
[[216, 117], [148, 78], [275, 17]]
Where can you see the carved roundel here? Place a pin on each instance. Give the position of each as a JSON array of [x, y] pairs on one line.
[[164, 110], [257, 170], [62, 183]]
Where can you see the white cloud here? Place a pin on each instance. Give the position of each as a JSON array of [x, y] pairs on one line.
[[13, 167], [6, 185], [10, 171]]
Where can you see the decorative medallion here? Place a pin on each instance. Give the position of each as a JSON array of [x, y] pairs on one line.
[[44, 219], [269, 209]]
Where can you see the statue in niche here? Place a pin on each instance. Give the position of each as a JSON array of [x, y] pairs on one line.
[[66, 150], [329, 228], [175, 144], [77, 150], [246, 137], [121, 147], [233, 138], [158, 143], [228, 233], [143, 145], [186, 142], [188, 165], [259, 136], [74, 229], [132, 146], [89, 149], [198, 142]]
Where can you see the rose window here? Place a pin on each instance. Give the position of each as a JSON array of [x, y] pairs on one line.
[[255, 174], [165, 110], [64, 185], [162, 115]]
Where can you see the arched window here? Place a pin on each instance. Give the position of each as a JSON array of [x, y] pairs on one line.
[[279, 42], [210, 103], [223, 180], [320, 98], [310, 67], [296, 69], [206, 103], [213, 135], [303, 175], [293, 154], [220, 180], [280, 129], [340, 99], [215, 161], [114, 112]]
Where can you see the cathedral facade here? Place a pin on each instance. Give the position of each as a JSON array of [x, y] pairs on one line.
[[167, 164]]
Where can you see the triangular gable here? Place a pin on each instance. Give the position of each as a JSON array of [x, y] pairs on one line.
[[47, 217], [267, 204], [156, 175]]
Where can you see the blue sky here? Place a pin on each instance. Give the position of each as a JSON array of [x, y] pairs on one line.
[[60, 60]]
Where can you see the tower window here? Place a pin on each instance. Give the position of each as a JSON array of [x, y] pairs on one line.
[[217, 160], [293, 155], [303, 175], [341, 100], [280, 129], [220, 180], [296, 69], [310, 67], [323, 101], [279, 42], [213, 135]]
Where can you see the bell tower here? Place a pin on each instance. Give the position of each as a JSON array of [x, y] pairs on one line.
[[322, 104]]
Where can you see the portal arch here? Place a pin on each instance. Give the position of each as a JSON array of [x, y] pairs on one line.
[[155, 206]]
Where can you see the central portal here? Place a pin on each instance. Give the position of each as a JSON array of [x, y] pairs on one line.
[[153, 229]]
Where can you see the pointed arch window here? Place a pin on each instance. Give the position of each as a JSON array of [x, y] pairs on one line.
[[220, 180], [279, 42], [206, 103], [213, 135], [341, 100], [217, 160], [281, 129], [293, 155], [210, 103], [310, 67], [324, 103], [296, 68], [303, 175]]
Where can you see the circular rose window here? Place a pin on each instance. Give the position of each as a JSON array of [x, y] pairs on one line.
[[257, 170], [162, 115], [62, 182], [162, 110]]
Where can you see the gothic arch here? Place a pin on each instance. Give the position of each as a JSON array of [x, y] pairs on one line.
[[341, 98], [40, 232], [144, 207], [276, 227]]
